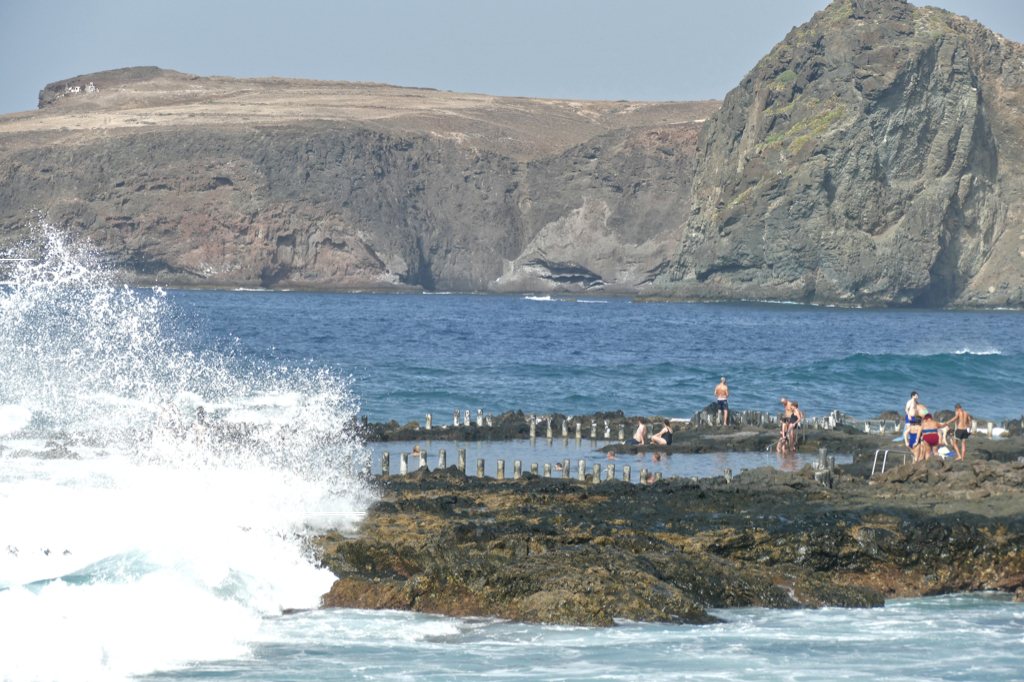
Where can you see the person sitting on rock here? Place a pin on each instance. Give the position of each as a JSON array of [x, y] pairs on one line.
[[640, 435], [663, 437]]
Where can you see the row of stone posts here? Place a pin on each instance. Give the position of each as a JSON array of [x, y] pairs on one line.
[[517, 468]]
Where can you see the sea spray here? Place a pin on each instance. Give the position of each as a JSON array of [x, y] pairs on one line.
[[139, 532]]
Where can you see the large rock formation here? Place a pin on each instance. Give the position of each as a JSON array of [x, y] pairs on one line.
[[279, 183], [873, 157], [553, 550]]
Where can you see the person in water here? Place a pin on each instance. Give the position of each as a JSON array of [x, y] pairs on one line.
[[929, 434], [640, 435], [911, 411], [962, 431], [722, 396], [663, 437]]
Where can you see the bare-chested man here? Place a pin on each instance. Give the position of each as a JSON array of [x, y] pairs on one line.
[[640, 435], [722, 396], [962, 431]]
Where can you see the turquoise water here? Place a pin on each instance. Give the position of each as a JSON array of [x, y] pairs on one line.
[[137, 540]]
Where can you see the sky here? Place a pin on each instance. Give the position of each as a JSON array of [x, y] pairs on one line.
[[656, 50]]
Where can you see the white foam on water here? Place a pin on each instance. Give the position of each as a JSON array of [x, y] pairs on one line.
[[135, 537], [968, 351], [13, 418]]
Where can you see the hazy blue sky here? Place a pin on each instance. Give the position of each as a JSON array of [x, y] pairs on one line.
[[579, 49]]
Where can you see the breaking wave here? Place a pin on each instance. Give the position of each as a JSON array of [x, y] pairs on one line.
[[158, 488]]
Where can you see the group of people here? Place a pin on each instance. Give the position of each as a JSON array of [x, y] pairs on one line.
[[791, 418], [922, 433], [662, 437]]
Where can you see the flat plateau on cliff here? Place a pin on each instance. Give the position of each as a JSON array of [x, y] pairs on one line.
[[565, 551]]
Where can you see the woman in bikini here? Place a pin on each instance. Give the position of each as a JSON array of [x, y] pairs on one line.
[[912, 435]]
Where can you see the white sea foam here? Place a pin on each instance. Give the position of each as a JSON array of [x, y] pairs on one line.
[[13, 418], [968, 351], [144, 541]]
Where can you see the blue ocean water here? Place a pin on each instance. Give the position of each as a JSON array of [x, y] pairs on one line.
[[412, 354], [138, 540]]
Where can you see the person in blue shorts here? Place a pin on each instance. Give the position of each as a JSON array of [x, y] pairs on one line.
[[911, 411]]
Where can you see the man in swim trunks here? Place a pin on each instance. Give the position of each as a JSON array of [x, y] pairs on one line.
[[911, 411], [640, 434], [663, 437], [722, 396], [963, 431]]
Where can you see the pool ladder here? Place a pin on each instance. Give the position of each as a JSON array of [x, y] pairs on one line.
[[885, 457]]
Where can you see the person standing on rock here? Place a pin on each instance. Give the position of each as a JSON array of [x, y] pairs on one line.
[[911, 411], [790, 418], [722, 396], [963, 421], [929, 434]]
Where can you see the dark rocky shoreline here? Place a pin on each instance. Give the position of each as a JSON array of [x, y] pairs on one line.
[[553, 550]]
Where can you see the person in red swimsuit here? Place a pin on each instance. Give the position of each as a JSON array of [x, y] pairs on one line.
[[929, 435]]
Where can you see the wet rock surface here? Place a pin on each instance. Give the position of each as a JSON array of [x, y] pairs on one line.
[[563, 551]]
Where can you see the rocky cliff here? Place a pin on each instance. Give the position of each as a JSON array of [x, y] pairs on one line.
[[873, 157], [280, 183]]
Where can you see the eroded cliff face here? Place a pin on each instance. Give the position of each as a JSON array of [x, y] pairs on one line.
[[873, 157], [333, 186]]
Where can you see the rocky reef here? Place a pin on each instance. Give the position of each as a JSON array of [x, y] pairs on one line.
[[873, 157], [586, 553]]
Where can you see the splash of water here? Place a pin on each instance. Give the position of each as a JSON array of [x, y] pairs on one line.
[[137, 537]]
